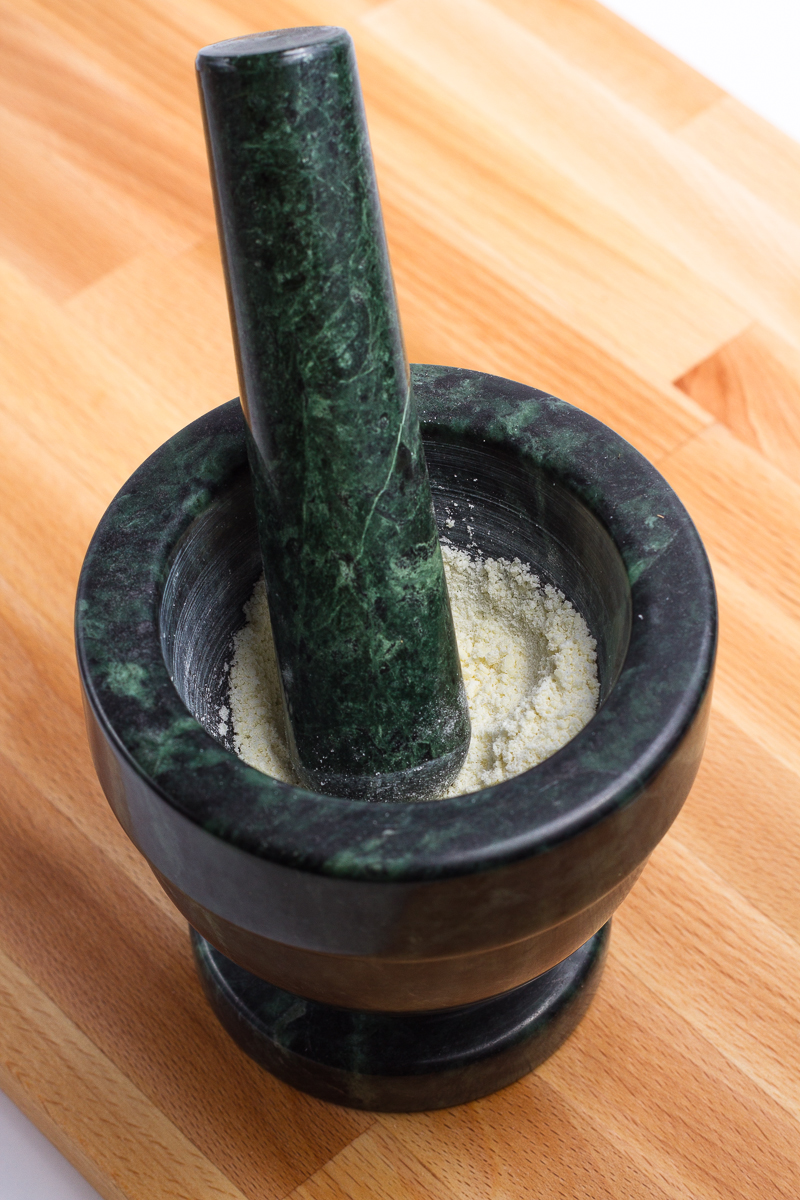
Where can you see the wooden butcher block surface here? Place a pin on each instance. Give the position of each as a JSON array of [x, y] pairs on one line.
[[567, 205]]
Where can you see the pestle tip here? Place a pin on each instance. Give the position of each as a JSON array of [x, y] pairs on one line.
[[302, 42]]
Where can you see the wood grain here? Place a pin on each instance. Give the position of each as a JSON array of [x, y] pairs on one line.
[[566, 204], [752, 385]]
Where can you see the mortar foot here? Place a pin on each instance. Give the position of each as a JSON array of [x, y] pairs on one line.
[[402, 1061]]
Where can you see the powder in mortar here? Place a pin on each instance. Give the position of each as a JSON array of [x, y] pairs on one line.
[[528, 661]]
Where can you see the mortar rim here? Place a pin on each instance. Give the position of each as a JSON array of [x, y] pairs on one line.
[[349, 839]]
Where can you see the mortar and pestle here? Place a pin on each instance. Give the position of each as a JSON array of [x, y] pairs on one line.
[[362, 941]]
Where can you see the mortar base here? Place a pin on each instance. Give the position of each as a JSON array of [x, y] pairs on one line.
[[402, 1061]]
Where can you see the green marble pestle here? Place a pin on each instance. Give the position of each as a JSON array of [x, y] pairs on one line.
[[373, 695]]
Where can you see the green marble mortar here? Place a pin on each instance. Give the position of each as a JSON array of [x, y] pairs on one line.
[[397, 955]]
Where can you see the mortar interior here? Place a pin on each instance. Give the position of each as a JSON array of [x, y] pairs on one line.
[[488, 500]]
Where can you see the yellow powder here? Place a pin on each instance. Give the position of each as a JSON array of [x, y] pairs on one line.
[[527, 656]]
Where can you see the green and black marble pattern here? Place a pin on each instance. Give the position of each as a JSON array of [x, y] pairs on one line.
[[371, 679], [613, 775], [401, 1062]]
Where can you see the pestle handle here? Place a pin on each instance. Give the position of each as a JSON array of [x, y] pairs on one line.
[[373, 695]]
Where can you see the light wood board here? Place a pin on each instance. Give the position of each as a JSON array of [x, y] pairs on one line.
[[567, 205]]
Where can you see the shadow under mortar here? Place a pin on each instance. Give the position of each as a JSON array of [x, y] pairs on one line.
[[401, 956]]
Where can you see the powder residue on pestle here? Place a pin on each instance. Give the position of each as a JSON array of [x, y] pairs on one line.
[[527, 657]]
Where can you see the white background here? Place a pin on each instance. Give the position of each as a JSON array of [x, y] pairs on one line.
[[751, 48]]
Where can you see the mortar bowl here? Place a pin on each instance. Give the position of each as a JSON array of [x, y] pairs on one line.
[[401, 955]]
